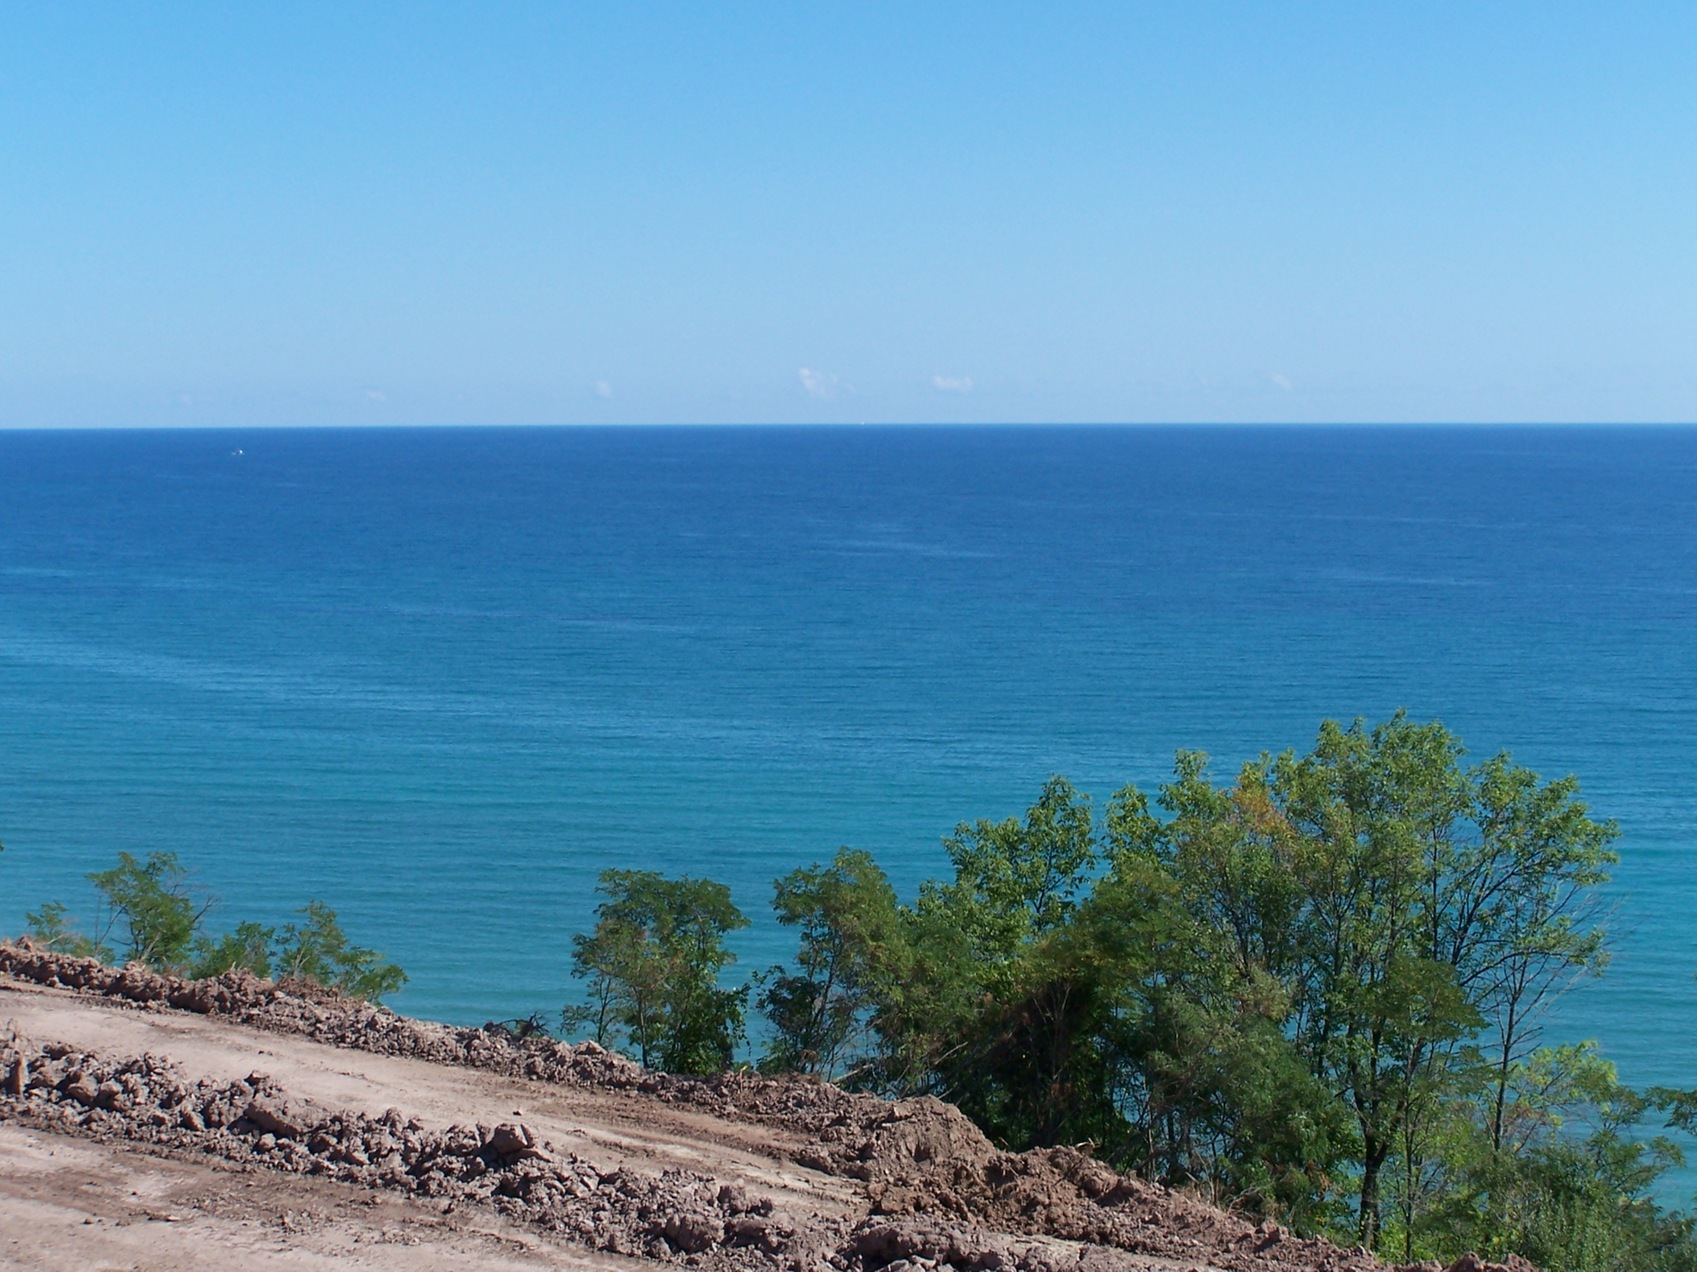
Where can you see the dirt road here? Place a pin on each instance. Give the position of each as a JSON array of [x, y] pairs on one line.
[[611, 1128]]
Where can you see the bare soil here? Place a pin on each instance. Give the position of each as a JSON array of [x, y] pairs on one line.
[[70, 1204], [152, 1122]]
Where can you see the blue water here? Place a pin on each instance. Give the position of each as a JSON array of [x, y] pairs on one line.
[[441, 678]]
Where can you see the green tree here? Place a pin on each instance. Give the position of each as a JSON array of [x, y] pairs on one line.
[[249, 947], [50, 927], [653, 965], [1215, 1091], [1566, 1179], [318, 950], [968, 945], [1317, 990], [1018, 878], [150, 901], [1070, 1037], [1293, 988], [850, 950], [1382, 1019], [1524, 914]]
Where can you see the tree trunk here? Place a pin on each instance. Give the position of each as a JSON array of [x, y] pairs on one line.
[[1372, 1159], [1500, 1101]]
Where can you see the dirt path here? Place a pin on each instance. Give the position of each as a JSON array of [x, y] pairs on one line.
[[612, 1129], [74, 1206]]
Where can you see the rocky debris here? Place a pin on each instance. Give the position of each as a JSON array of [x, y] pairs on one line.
[[1472, 1263], [255, 1123], [928, 1171], [677, 1216], [933, 1243], [309, 1010], [313, 1011], [288, 1119]]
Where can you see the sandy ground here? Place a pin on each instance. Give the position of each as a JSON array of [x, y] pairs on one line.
[[612, 1127], [74, 1205]]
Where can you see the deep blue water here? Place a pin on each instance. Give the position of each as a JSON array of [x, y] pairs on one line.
[[441, 678]]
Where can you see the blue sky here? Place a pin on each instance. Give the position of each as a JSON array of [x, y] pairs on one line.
[[417, 213]]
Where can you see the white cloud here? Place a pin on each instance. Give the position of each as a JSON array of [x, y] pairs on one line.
[[952, 383], [377, 395], [1283, 381], [817, 383], [603, 389]]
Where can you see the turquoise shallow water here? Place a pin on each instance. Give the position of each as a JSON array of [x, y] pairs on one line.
[[441, 678]]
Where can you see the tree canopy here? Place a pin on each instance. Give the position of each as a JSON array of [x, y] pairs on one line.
[[652, 965], [1318, 988]]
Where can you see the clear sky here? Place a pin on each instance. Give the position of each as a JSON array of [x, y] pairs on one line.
[[420, 213]]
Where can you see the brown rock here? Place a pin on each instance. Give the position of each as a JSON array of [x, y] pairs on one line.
[[508, 1139], [754, 1230], [286, 1119], [693, 1231]]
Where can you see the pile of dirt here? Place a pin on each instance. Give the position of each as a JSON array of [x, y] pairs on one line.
[[924, 1157], [938, 1192]]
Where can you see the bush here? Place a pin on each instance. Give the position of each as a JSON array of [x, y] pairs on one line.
[[318, 950], [150, 901], [49, 927], [162, 923]]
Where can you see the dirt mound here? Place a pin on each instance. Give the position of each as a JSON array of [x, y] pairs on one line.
[[926, 1159]]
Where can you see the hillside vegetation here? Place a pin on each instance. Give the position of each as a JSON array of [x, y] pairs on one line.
[[1317, 990]]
